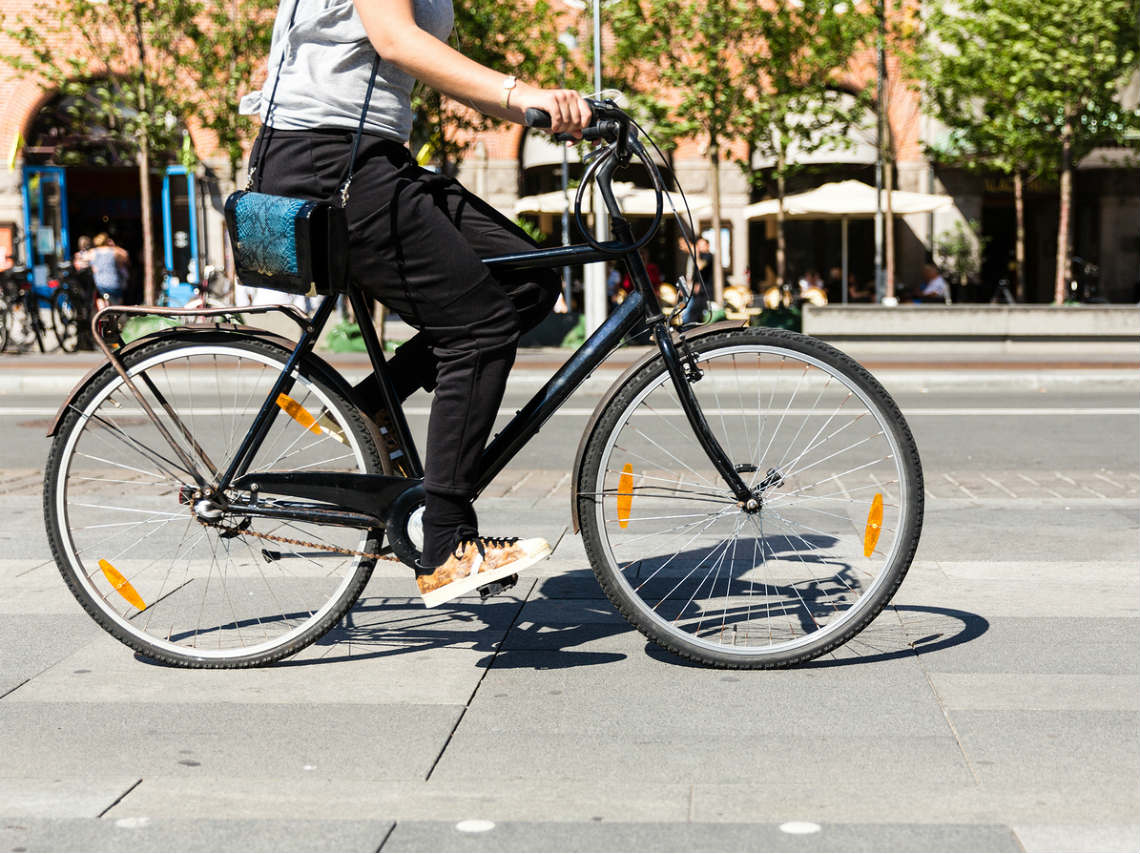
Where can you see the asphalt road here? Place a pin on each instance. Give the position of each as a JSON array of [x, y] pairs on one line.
[[994, 706]]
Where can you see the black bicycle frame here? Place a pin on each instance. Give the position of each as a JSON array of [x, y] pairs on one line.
[[372, 495]]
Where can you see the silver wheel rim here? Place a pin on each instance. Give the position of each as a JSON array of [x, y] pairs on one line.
[[604, 489], [94, 580]]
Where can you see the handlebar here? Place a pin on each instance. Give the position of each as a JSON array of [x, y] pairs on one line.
[[605, 124]]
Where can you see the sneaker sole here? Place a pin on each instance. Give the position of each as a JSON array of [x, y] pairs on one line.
[[482, 579]]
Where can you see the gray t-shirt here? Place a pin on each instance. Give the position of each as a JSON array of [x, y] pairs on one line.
[[327, 61]]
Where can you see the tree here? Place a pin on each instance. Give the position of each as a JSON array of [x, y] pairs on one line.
[[696, 50], [232, 47], [1031, 86], [508, 35], [792, 71], [141, 50]]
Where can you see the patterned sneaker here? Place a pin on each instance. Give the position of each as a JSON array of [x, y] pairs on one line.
[[478, 562]]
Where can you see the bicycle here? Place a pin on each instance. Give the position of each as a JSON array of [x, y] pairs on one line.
[[749, 498], [73, 305], [24, 327]]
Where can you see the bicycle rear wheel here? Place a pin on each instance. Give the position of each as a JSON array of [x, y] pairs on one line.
[[838, 488], [119, 505]]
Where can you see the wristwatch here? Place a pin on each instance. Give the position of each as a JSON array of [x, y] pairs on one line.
[[510, 83]]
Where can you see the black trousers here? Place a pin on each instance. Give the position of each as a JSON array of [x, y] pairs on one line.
[[416, 239]]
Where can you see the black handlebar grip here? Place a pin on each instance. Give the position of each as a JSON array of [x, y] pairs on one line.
[[536, 118]]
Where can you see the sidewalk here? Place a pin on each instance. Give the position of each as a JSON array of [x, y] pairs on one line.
[[926, 367]]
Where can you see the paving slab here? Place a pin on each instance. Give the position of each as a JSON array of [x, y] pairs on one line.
[[32, 643], [665, 704], [139, 833], [1027, 535], [1093, 751], [35, 587], [750, 754], [61, 797], [345, 797], [866, 800], [1079, 837], [241, 739], [1037, 691], [389, 669], [1043, 645], [625, 836]]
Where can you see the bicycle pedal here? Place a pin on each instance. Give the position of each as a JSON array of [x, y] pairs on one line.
[[497, 587]]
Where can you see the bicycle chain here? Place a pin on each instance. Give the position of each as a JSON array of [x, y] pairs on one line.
[[234, 531]]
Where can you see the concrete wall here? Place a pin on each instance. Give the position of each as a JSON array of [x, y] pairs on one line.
[[1081, 328]]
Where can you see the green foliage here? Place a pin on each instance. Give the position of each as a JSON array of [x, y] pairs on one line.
[[1004, 74], [784, 317], [512, 36], [121, 70], [959, 250], [801, 50], [230, 55], [533, 231], [195, 58], [694, 50]]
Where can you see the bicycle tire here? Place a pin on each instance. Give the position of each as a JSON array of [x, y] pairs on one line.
[[5, 320], [292, 600], [64, 319], [785, 578]]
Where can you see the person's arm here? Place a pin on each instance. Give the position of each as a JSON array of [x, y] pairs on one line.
[[393, 31]]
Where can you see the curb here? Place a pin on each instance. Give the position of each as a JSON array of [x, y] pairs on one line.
[[59, 383]]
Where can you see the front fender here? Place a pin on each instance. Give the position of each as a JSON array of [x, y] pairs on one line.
[[313, 363], [611, 392]]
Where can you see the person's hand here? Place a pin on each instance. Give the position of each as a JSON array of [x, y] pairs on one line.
[[569, 112]]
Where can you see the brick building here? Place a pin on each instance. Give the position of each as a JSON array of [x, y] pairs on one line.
[[44, 207]]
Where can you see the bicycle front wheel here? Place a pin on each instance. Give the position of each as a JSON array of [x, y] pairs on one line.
[[119, 505], [837, 484]]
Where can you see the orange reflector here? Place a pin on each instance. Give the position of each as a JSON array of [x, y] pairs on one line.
[[874, 525], [298, 413], [625, 494], [121, 585]]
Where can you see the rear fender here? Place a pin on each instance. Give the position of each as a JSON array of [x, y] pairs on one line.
[[206, 334], [691, 336]]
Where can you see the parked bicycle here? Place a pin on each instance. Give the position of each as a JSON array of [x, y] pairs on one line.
[[73, 305], [23, 323], [748, 497]]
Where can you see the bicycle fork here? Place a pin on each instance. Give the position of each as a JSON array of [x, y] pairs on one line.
[[678, 372]]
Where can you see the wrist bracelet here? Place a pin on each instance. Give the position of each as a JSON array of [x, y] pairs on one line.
[[510, 83]]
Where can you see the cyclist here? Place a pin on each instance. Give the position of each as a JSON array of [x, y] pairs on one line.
[[416, 237]]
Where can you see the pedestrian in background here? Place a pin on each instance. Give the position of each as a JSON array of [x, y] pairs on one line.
[[109, 265]]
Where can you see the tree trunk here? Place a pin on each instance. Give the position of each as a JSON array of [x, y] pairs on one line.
[[1063, 224], [144, 167], [889, 230], [147, 221], [1019, 243], [717, 248], [781, 240]]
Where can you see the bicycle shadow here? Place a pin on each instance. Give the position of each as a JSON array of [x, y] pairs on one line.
[[552, 623]]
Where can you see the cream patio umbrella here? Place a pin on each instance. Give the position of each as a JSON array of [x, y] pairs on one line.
[[634, 201], [845, 200]]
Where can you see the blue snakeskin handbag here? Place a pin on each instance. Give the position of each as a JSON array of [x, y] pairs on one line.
[[294, 245], [299, 246]]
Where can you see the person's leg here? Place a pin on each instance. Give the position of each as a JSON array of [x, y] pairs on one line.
[[488, 233], [410, 248]]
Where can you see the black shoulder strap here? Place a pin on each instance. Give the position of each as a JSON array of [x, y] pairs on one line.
[[359, 133], [269, 112]]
